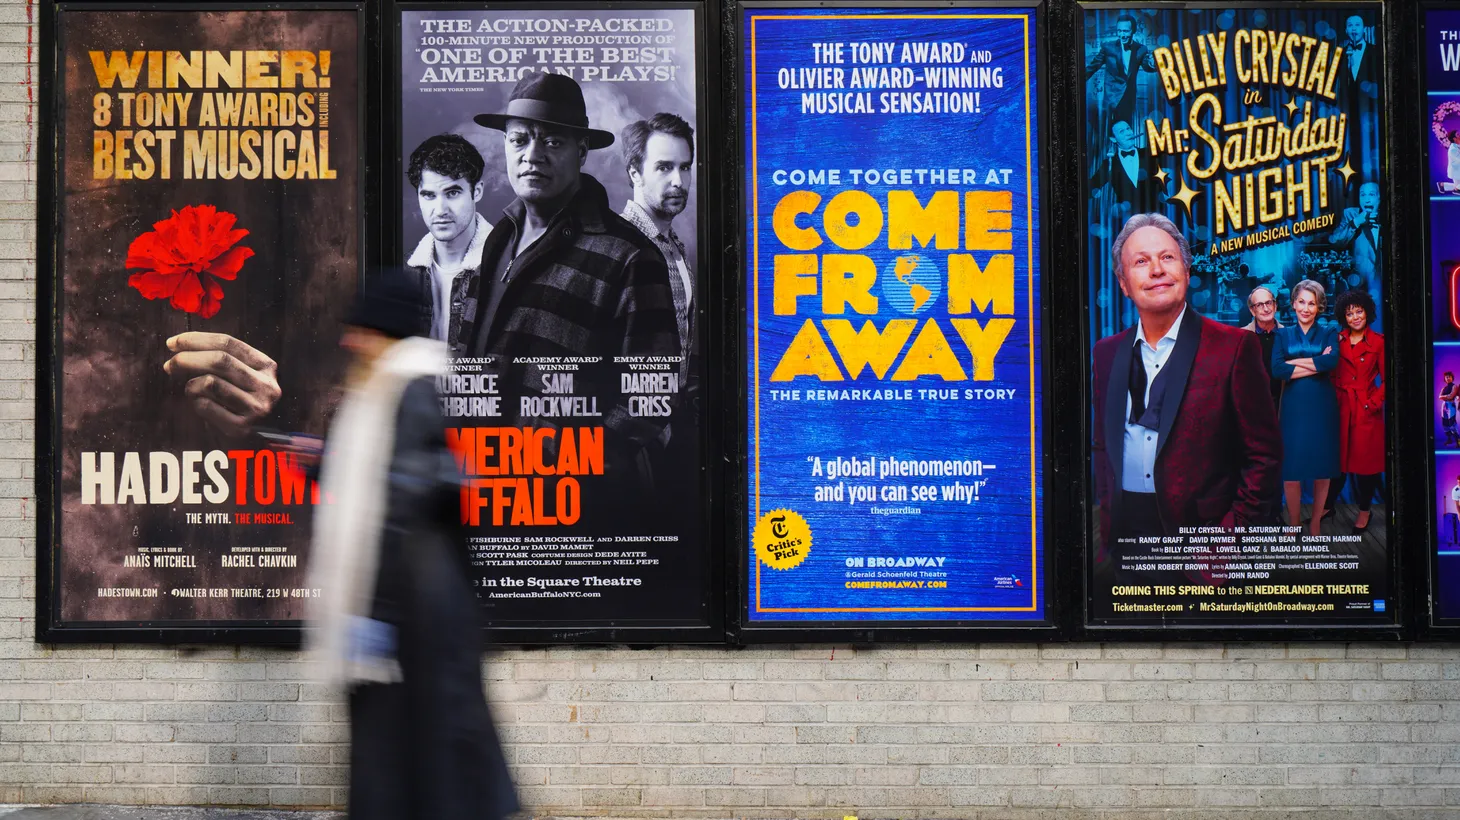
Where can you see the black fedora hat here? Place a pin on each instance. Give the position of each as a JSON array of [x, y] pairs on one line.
[[555, 99]]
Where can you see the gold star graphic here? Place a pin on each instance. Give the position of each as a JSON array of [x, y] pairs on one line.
[[1292, 106], [1185, 196], [1163, 176], [1346, 169]]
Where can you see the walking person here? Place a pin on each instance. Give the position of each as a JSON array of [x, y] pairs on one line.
[[397, 623]]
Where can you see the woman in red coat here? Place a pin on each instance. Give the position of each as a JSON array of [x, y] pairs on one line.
[[1359, 380]]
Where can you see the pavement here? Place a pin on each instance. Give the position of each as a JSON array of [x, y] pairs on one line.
[[84, 812]]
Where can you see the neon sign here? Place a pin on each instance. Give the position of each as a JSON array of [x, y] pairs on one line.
[[1454, 308]]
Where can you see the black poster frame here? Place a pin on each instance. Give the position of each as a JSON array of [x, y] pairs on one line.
[[1066, 475], [712, 627], [867, 632], [1428, 623], [1397, 304], [49, 115]]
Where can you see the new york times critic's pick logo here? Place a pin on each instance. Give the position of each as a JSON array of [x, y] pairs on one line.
[[782, 539]]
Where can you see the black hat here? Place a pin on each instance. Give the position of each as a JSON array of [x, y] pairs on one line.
[[555, 99], [393, 302]]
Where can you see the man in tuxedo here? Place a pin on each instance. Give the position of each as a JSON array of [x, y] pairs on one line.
[[1121, 60], [1185, 431], [1130, 172], [1360, 71], [1359, 229], [1359, 81]]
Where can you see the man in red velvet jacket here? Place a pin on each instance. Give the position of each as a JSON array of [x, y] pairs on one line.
[[1185, 434]]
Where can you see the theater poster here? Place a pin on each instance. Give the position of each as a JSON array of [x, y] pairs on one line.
[[550, 200], [893, 315], [204, 238], [1234, 250], [1442, 145]]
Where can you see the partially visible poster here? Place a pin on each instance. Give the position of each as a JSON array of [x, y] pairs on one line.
[[1234, 254], [207, 239], [893, 304], [1442, 142], [550, 205]]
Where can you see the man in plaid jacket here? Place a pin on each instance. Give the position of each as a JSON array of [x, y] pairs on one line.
[[564, 276]]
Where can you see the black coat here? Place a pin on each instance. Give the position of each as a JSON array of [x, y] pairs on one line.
[[1370, 64], [1145, 194], [425, 748]]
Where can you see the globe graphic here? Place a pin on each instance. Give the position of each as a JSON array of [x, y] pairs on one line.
[[910, 284]]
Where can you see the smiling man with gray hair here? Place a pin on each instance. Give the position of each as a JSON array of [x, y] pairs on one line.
[[1185, 432]]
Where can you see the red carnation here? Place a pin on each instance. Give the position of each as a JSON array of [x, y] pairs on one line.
[[183, 256]]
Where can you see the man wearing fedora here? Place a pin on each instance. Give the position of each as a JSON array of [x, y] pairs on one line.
[[563, 276]]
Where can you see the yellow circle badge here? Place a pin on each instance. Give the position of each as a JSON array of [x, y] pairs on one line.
[[782, 539]]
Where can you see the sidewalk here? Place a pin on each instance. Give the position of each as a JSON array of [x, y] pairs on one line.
[[84, 812]]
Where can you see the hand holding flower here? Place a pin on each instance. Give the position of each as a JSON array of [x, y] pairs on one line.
[[230, 384]]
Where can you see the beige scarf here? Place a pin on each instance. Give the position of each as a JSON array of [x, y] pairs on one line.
[[345, 553]]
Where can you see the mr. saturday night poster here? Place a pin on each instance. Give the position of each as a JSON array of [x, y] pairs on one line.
[[891, 163]]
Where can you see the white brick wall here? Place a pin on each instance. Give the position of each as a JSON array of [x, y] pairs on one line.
[[1113, 730]]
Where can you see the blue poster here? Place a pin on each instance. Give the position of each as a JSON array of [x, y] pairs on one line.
[[1442, 140], [893, 304]]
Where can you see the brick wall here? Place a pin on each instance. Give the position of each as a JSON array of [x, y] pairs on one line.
[[1000, 731], [960, 732]]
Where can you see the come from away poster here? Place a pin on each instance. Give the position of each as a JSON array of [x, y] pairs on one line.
[[1235, 242], [893, 315]]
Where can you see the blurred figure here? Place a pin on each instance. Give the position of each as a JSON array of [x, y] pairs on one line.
[[1305, 354], [398, 624], [1359, 380]]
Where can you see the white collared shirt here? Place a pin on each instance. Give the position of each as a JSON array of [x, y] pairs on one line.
[[1356, 57], [1131, 163], [1138, 469], [1454, 505]]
